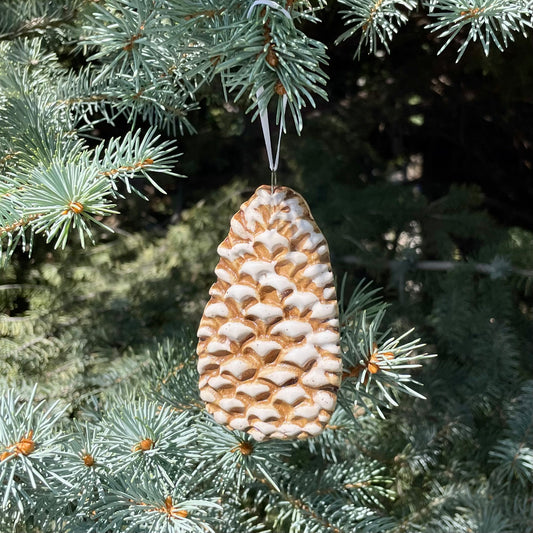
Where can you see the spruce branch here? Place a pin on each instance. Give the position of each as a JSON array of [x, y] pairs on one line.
[[143, 436], [154, 504], [17, 225], [85, 466], [133, 155], [76, 195], [329, 444], [306, 508], [265, 57], [363, 298], [513, 454], [376, 366], [173, 372], [298, 515], [126, 33], [378, 21], [164, 100], [35, 18], [364, 483], [30, 446], [64, 197], [230, 458], [489, 21], [143, 55], [37, 26], [516, 461]]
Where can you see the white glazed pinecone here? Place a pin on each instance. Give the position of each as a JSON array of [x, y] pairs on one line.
[[269, 337]]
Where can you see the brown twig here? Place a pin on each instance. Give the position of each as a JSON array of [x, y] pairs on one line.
[[128, 168], [434, 266], [38, 25], [299, 504], [373, 12], [18, 224]]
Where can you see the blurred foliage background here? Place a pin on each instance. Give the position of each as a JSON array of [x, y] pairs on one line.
[[418, 170]]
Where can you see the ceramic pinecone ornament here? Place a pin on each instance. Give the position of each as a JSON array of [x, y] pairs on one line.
[[268, 347]]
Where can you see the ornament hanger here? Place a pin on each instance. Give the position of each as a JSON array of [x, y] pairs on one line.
[[263, 114], [265, 126], [269, 3]]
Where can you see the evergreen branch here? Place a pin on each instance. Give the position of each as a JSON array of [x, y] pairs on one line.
[[30, 344], [516, 461], [316, 511], [14, 286], [123, 32], [67, 196], [489, 21], [514, 453], [107, 98], [266, 57], [84, 465], [128, 157], [157, 101], [39, 25], [154, 503], [230, 458], [88, 99], [173, 371], [143, 435], [378, 20], [138, 42], [364, 483], [363, 298], [300, 505], [373, 362], [29, 449], [13, 228]]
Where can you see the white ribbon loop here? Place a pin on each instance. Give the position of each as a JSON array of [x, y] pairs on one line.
[[263, 114], [269, 3], [265, 126]]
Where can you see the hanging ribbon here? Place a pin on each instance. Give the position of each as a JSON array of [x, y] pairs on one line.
[[269, 3], [265, 126], [263, 114]]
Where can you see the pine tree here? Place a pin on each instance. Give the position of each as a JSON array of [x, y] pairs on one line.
[[133, 449]]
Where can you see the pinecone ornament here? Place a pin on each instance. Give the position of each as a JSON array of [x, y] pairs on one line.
[[268, 347]]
